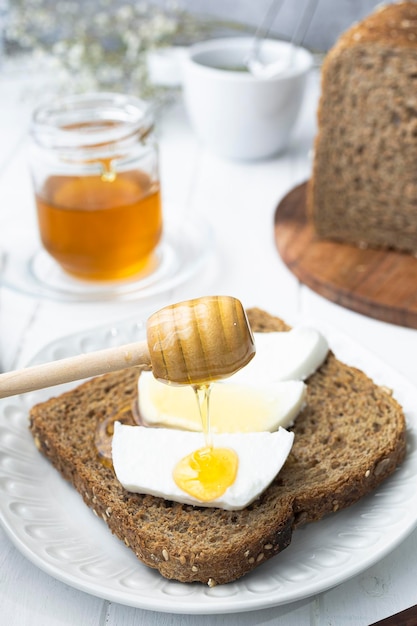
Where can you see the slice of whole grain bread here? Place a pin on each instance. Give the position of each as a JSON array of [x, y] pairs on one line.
[[348, 439]]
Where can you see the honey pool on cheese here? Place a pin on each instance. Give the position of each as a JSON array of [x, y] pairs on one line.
[[144, 460], [233, 407], [262, 396]]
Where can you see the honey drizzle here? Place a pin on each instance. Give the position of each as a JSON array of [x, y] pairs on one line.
[[104, 432], [108, 175], [207, 472], [202, 393]]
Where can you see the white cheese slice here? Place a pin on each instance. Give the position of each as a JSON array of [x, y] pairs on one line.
[[144, 460], [293, 355], [234, 407]]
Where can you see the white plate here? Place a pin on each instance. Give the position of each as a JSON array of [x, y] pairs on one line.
[[48, 522]]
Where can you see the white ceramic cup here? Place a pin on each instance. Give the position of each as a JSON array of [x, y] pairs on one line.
[[235, 114]]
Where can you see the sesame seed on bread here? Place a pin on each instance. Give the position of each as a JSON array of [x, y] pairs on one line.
[[348, 439]]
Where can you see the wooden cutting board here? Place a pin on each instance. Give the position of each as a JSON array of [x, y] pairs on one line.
[[381, 284]]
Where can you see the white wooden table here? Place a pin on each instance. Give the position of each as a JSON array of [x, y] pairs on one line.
[[238, 200]]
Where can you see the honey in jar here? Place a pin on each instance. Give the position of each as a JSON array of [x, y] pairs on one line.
[[95, 172]]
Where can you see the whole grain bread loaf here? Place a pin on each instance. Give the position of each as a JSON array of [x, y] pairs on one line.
[[363, 188], [348, 439]]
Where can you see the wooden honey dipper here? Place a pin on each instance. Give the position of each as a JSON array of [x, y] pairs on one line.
[[191, 342]]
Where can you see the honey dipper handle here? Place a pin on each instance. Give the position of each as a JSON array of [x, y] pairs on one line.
[[73, 368]]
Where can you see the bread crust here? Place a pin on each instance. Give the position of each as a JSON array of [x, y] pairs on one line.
[[390, 25], [349, 438]]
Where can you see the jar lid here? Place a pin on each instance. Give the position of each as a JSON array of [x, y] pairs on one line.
[[91, 120]]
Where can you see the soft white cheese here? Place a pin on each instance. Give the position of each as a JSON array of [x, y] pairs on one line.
[[293, 355], [234, 407], [264, 395], [144, 460]]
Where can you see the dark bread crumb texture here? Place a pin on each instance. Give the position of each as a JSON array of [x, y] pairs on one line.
[[363, 188], [349, 438]]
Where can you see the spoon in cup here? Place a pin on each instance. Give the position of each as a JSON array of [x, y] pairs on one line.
[[263, 70]]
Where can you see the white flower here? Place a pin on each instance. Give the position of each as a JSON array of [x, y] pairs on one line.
[[98, 43]]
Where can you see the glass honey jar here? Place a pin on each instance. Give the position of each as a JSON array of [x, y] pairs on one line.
[[94, 165]]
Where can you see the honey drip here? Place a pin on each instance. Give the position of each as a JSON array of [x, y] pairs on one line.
[[207, 472], [103, 436], [202, 393]]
